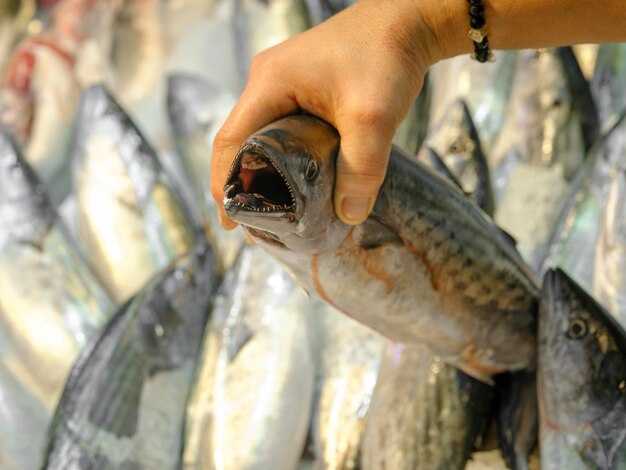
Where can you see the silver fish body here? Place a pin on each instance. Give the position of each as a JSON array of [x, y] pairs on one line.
[[261, 24], [350, 358], [485, 88], [196, 110], [24, 424], [408, 272], [50, 302], [582, 379], [456, 141], [607, 84], [131, 221], [425, 414], [550, 125], [253, 399], [124, 404]]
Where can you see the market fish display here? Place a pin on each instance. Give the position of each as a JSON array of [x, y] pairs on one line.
[[350, 358], [258, 395], [124, 403], [425, 414], [485, 88], [456, 141], [408, 272], [196, 110], [24, 421], [582, 379], [544, 140], [131, 222], [50, 303], [261, 24]]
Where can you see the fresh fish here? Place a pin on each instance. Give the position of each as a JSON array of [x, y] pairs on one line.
[[609, 281], [430, 158], [425, 414], [196, 111], [544, 141], [484, 87], [412, 130], [573, 243], [131, 222], [261, 24], [124, 403], [138, 53], [582, 379], [350, 359], [608, 81], [426, 267], [50, 303], [251, 408], [456, 141], [24, 422]]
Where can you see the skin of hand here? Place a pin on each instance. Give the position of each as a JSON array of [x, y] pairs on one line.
[[361, 70]]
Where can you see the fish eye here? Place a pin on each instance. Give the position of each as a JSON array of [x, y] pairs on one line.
[[577, 328], [311, 170]]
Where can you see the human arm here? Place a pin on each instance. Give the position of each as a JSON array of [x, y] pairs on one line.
[[362, 69]]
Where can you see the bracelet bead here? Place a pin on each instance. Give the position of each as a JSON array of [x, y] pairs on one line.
[[482, 53]]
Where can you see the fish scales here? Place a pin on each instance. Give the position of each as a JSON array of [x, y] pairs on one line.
[[440, 270]]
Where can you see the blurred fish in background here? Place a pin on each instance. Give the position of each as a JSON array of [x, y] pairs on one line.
[[130, 220], [50, 303], [250, 408]]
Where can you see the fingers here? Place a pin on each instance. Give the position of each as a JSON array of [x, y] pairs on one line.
[[260, 104], [361, 164]]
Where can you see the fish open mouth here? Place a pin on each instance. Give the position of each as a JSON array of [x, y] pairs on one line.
[[255, 184]]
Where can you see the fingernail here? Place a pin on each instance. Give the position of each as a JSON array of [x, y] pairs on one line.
[[356, 208]]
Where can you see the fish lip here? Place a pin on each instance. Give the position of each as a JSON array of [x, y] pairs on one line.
[[233, 206]]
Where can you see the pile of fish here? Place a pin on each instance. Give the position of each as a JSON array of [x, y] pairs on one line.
[[474, 321]]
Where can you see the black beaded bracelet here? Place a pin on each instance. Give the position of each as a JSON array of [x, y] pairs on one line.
[[482, 53]]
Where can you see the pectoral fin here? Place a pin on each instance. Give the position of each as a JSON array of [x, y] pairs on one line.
[[373, 234]]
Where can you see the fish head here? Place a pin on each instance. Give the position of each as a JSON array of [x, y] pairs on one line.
[[582, 355], [191, 101], [281, 183]]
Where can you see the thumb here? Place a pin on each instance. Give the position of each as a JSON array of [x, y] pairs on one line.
[[361, 167]]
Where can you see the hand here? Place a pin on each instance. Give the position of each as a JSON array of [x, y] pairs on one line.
[[360, 71]]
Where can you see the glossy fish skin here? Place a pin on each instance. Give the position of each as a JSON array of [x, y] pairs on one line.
[[456, 141], [582, 379], [551, 123], [408, 271], [124, 403], [261, 24], [257, 399], [50, 302], [609, 281], [425, 414], [131, 221], [196, 109], [607, 84], [350, 359], [24, 421], [485, 88]]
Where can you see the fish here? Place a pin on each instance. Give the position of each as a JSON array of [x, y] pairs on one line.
[[412, 131], [124, 403], [409, 271], [609, 280], [486, 89], [582, 379], [544, 140], [607, 83], [50, 302], [261, 24], [455, 139], [431, 159], [350, 359], [131, 222], [24, 423], [425, 414], [196, 110], [252, 401]]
